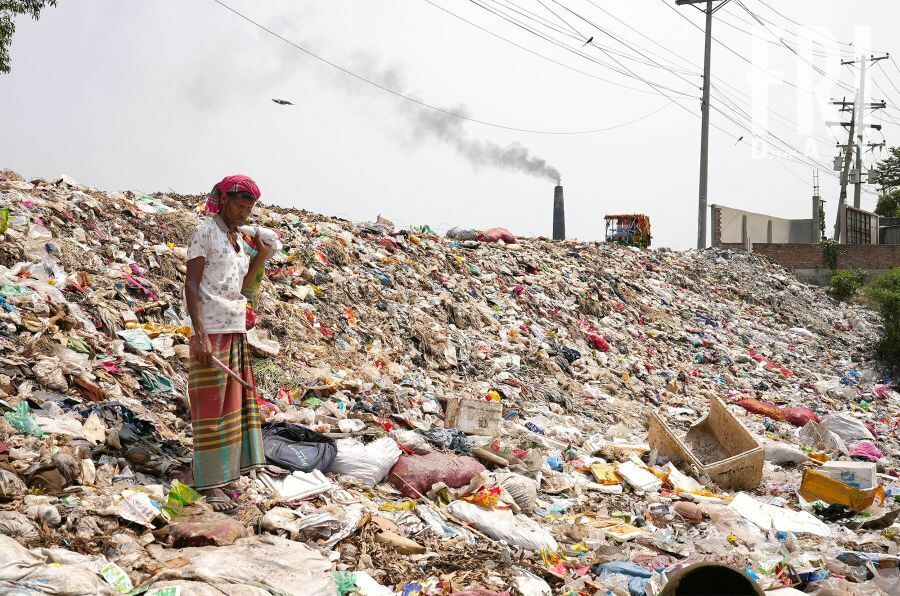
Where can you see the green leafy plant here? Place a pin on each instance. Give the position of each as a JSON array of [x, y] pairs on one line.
[[823, 238], [885, 293], [889, 204], [9, 9], [887, 172], [830, 253], [845, 282]]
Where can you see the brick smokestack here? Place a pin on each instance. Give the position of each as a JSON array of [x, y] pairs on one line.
[[559, 214]]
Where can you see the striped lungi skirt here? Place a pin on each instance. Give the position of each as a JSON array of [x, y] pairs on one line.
[[224, 415]]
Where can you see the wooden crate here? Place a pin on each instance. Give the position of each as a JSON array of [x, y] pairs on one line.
[[740, 470]]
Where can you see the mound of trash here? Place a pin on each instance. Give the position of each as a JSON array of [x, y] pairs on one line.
[[467, 414]]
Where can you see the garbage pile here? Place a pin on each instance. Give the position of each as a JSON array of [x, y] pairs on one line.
[[464, 414]]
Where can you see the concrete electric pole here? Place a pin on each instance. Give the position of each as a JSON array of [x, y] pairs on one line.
[[857, 128], [704, 126]]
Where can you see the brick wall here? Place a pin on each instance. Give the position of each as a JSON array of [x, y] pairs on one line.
[[811, 256]]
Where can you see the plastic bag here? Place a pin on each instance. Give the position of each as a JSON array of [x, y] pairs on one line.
[[345, 581], [816, 436], [23, 421], [367, 463], [518, 531], [800, 416], [137, 339], [180, 496]]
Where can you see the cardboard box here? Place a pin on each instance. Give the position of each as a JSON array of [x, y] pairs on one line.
[[473, 416], [817, 486], [858, 474], [722, 435]]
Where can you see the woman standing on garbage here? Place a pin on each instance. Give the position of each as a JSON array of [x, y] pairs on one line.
[[224, 412]]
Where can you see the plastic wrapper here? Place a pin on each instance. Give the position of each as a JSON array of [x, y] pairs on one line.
[[180, 496], [516, 530]]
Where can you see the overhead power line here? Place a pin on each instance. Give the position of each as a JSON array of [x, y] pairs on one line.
[[544, 56], [413, 99], [746, 98], [833, 48], [790, 20], [742, 57], [768, 133], [556, 42], [772, 33]]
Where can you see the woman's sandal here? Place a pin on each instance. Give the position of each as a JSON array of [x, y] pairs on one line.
[[229, 504]]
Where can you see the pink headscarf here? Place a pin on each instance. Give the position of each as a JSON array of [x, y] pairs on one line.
[[233, 183]]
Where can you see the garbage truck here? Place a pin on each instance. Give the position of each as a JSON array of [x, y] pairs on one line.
[[631, 230]]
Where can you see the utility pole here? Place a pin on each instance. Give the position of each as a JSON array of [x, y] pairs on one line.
[[845, 171], [857, 128], [704, 120], [816, 210], [857, 191]]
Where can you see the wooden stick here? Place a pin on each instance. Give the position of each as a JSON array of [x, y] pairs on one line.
[[231, 373]]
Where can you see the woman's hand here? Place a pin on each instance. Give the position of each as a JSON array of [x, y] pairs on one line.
[[201, 348], [266, 250]]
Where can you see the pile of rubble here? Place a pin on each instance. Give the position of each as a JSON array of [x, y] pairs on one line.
[[474, 417]]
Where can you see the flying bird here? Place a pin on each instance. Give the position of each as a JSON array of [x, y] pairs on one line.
[[282, 102], [739, 140], [590, 39]]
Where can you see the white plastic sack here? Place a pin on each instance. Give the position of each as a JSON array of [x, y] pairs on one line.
[[29, 569], [769, 517], [265, 234], [17, 525], [847, 427], [48, 371], [517, 531], [265, 561], [522, 489], [11, 486], [529, 584], [367, 463], [780, 453], [366, 586]]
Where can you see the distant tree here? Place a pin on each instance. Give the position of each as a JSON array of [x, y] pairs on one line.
[[9, 10], [887, 172], [889, 204]]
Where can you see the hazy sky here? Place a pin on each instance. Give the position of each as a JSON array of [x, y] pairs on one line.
[[159, 95]]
